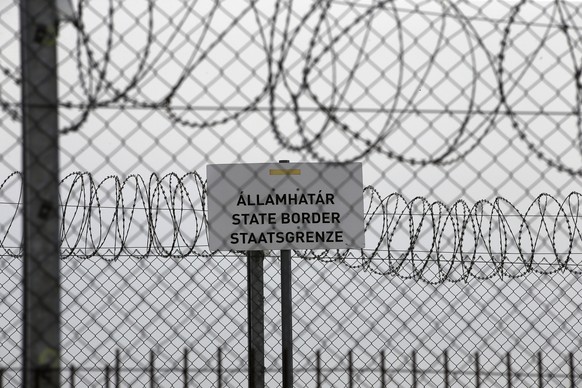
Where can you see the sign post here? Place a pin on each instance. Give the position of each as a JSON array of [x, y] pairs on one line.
[[286, 319], [256, 313], [286, 316], [269, 206]]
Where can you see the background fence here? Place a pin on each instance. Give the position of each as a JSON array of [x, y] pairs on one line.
[[465, 115]]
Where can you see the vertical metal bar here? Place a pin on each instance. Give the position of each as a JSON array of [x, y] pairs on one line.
[[350, 370], [185, 368], [41, 315], [107, 375], [152, 370], [117, 368], [572, 370], [508, 366], [382, 369], [219, 369], [540, 371], [317, 369], [256, 312], [446, 365], [414, 380], [1, 377], [286, 319], [477, 371], [286, 315], [72, 374]]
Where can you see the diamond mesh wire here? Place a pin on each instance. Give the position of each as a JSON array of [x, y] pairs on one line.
[[465, 116]]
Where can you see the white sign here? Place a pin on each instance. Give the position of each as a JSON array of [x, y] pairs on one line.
[[262, 206]]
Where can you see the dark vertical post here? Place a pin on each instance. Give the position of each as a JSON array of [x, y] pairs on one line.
[[152, 371], [572, 370], [72, 370], [286, 315], [117, 369], [477, 371], [382, 369], [185, 368], [540, 371], [41, 315], [107, 375], [256, 325], [286, 319], [508, 366], [350, 369], [318, 369], [219, 368], [446, 365], [414, 381]]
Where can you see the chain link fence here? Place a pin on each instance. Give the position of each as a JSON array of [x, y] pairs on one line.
[[465, 115]]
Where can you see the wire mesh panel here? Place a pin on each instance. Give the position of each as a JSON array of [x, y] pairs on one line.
[[464, 115]]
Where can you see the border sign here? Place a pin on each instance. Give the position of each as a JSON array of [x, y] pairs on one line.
[[264, 206]]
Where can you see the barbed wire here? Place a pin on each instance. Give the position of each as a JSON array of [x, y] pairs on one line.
[[166, 216], [321, 82]]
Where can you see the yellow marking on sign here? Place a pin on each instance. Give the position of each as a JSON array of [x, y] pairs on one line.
[[291, 171]]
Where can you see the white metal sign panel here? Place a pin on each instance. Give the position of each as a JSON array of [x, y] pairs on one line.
[[262, 206]]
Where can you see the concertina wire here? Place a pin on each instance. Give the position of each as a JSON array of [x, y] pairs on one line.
[[492, 90], [136, 218]]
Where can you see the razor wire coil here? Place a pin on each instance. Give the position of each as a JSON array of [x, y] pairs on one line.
[[415, 238], [487, 95]]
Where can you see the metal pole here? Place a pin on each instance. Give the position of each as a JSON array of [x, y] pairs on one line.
[[350, 370], [382, 369], [286, 316], [477, 371], [256, 313], [447, 372], [185, 377], [318, 369], [219, 368], [572, 370], [508, 364], [540, 371], [414, 372], [41, 315]]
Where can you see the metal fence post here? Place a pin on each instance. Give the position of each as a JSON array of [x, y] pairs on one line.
[[152, 369], [572, 370], [256, 324], [508, 366], [382, 369], [286, 319], [540, 371], [318, 369], [41, 315], [477, 371], [350, 369], [219, 368], [286, 315], [414, 371], [185, 376], [446, 368]]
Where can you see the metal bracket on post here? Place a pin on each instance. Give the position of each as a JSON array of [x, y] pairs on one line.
[[256, 314], [41, 273]]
